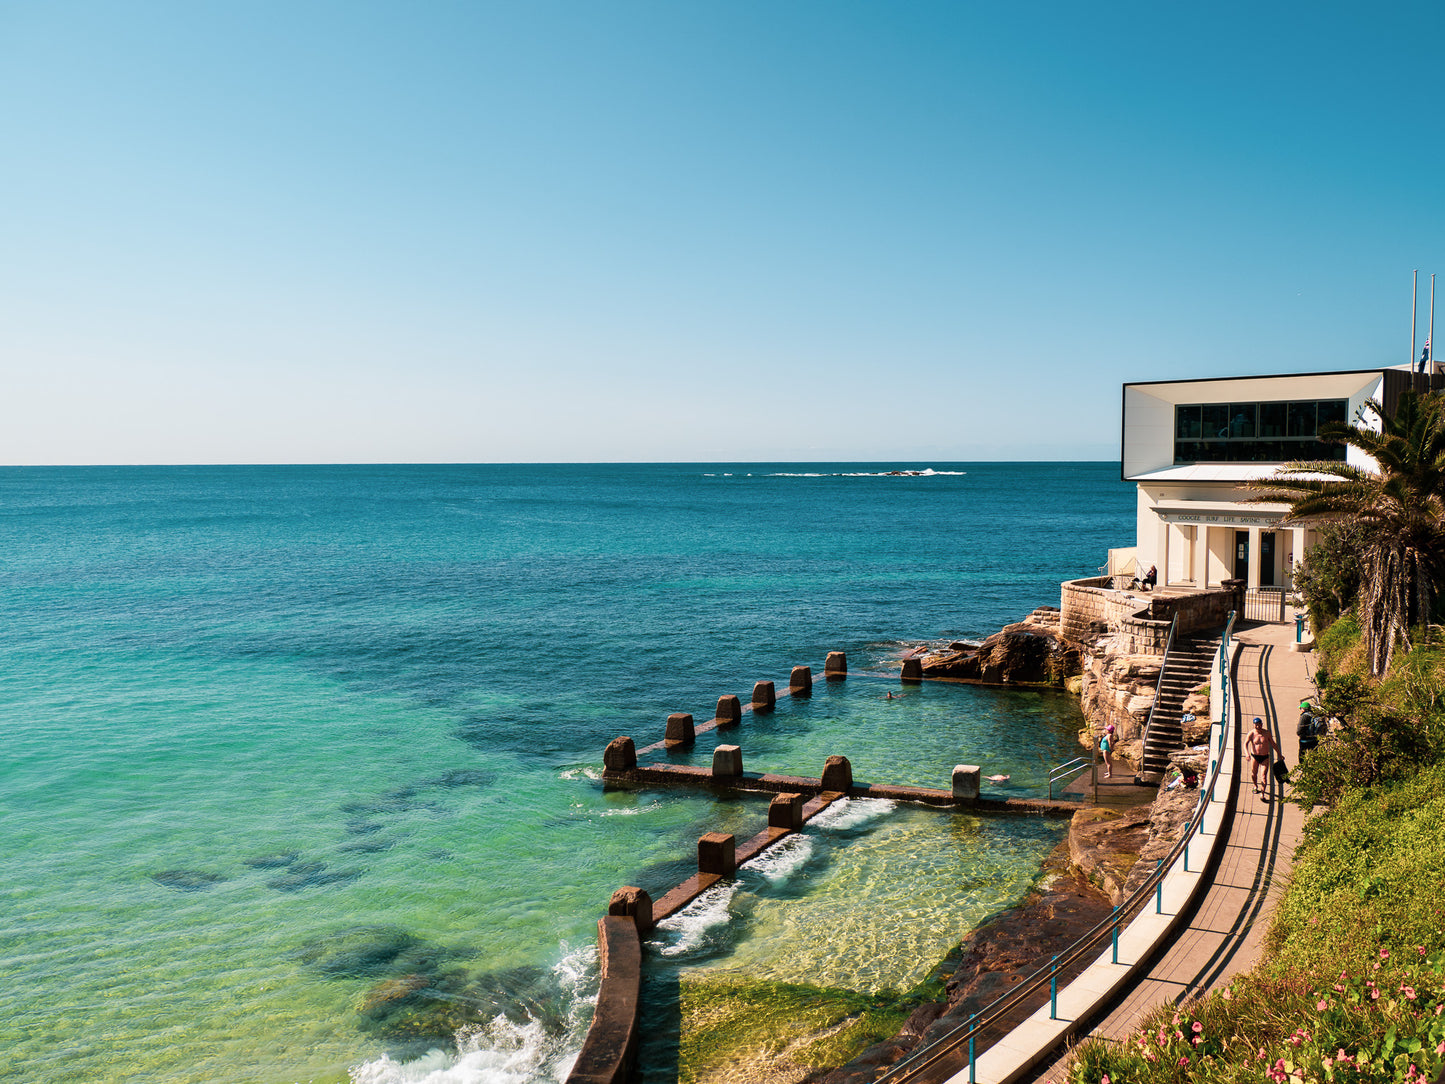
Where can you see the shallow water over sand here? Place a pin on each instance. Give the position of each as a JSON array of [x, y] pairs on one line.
[[279, 737]]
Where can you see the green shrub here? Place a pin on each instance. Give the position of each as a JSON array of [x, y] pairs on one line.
[[1337, 642], [1328, 577]]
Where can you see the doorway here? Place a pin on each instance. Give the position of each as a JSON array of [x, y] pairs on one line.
[[1266, 559], [1241, 555]]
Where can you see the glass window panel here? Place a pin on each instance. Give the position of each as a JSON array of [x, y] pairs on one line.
[[1271, 419], [1186, 422], [1333, 410], [1302, 419], [1216, 420], [1241, 419]]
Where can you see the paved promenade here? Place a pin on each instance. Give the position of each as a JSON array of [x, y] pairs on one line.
[[1225, 932]]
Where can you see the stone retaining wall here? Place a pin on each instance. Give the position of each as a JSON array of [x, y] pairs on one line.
[[1091, 608]]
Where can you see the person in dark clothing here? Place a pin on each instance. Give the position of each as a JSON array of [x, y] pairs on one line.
[[1151, 578], [1307, 730]]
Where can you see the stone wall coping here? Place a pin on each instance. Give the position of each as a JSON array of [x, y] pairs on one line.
[[606, 1053]]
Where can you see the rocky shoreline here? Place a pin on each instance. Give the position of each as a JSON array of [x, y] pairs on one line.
[[1109, 851], [1107, 855]]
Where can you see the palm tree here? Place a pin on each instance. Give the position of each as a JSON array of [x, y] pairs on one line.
[[1401, 507]]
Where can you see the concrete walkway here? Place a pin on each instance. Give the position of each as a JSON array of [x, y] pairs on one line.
[[1226, 928]]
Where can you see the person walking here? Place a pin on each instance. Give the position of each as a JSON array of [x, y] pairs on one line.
[[1260, 747], [1106, 747]]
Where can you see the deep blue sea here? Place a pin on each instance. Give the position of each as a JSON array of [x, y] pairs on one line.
[[299, 777]]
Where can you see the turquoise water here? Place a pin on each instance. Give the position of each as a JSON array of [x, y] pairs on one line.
[[299, 778]]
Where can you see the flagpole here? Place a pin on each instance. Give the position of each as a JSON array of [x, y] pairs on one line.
[[1430, 339], [1414, 304]]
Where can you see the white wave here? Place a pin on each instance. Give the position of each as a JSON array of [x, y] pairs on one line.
[[583, 772], [502, 1051], [783, 859], [926, 472], [629, 811], [689, 928], [851, 812]]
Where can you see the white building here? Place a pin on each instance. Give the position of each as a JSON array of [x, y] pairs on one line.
[[1190, 445]]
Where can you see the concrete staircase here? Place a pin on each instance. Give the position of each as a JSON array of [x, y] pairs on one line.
[[1188, 666]]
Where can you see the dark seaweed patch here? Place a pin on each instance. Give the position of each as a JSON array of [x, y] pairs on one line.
[[461, 777], [374, 951], [296, 881], [271, 861], [186, 880], [367, 846]]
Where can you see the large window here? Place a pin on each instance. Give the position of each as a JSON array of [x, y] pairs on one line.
[[1256, 432]]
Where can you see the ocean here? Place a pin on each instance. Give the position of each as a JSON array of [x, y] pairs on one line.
[[300, 772]]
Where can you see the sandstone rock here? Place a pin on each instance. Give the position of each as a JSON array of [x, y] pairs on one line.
[[1104, 845], [1027, 652]]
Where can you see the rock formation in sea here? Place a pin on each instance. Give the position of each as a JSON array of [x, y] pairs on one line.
[[1030, 652]]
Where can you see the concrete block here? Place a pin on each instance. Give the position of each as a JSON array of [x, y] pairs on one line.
[[913, 670], [801, 681], [836, 666], [620, 755], [765, 698], [680, 730], [837, 774], [633, 903], [727, 762], [965, 782], [729, 710], [717, 853], [786, 811]]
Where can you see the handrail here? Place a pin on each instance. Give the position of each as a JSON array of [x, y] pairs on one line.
[[1158, 689], [924, 1059], [1062, 771]]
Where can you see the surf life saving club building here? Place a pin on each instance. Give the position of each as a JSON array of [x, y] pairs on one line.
[[1191, 445]]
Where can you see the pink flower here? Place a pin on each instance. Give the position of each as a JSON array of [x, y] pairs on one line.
[[1197, 1040], [1197, 1026], [1384, 954], [1104, 1079], [1228, 993], [1441, 1048], [1184, 1061], [1374, 993], [1408, 991], [1322, 1006]]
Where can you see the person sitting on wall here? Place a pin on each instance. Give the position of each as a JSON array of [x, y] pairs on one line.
[[1151, 578]]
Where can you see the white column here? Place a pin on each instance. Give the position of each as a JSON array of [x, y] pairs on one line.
[[1252, 579], [1161, 550], [1201, 556], [1297, 550]]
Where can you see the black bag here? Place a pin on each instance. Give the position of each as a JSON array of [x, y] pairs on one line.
[[1281, 770]]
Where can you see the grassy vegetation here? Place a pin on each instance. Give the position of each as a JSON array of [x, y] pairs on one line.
[[736, 1029], [1352, 985]]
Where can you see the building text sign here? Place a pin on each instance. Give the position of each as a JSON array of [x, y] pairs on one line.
[[1221, 518]]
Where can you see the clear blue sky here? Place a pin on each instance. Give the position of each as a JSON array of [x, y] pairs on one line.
[[792, 229]]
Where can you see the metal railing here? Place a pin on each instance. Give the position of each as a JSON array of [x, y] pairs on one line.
[[1265, 604], [1067, 770], [925, 1060], [1158, 690]]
